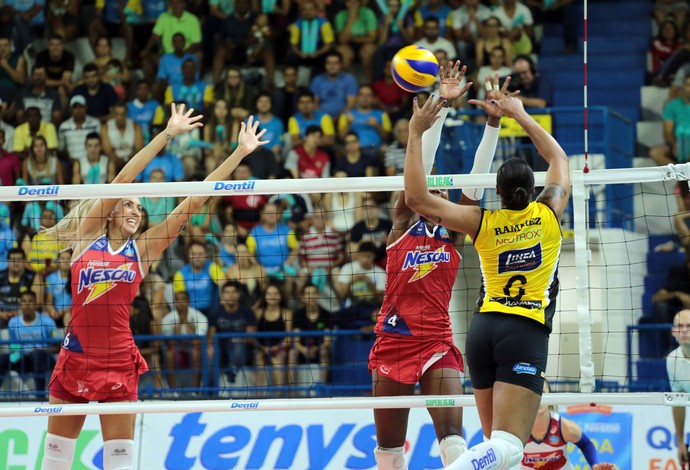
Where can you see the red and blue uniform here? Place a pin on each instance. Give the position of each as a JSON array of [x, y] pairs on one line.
[[413, 328], [99, 360], [549, 453]]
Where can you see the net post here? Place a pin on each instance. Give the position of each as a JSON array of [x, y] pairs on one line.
[[580, 195]]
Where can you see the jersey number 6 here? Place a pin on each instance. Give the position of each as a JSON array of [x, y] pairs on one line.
[[520, 279]]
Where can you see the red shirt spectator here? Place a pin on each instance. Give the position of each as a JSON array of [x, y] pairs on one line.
[[10, 167], [665, 44], [307, 160], [246, 208]]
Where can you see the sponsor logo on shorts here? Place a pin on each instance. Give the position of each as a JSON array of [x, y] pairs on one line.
[[524, 368], [526, 259], [119, 452], [484, 461], [234, 186], [385, 370], [253, 404], [82, 387], [116, 386], [51, 410]]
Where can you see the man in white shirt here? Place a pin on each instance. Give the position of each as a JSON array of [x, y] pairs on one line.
[[678, 368], [184, 320], [433, 41], [72, 133]]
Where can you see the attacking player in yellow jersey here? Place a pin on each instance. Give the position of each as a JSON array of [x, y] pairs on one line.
[[519, 248]]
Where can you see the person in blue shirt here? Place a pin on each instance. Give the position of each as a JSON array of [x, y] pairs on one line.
[[191, 91], [335, 89], [31, 333], [143, 110], [7, 238], [199, 278], [170, 66], [58, 300], [167, 162], [275, 128], [372, 125]]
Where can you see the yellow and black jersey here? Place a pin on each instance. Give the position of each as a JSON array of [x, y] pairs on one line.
[[519, 253]]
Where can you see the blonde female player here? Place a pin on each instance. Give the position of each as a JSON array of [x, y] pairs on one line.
[[98, 360], [414, 338], [519, 247], [548, 442]]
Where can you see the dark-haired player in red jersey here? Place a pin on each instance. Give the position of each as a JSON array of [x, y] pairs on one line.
[[99, 360], [414, 337]]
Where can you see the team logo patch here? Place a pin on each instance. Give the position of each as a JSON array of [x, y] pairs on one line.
[[423, 262], [385, 370], [100, 280], [526, 259], [554, 439], [524, 368]]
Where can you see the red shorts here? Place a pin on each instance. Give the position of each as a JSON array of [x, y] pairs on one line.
[[78, 378], [407, 361]]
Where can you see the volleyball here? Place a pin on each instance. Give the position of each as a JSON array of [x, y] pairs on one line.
[[414, 68]]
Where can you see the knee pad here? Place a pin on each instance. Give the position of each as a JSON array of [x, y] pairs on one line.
[[390, 459], [452, 446], [118, 454], [510, 447], [58, 452]]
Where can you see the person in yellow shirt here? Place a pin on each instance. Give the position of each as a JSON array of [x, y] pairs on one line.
[[24, 133], [519, 247]]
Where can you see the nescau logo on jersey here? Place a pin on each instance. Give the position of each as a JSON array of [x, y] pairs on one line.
[[423, 262], [526, 259], [524, 368], [101, 280]]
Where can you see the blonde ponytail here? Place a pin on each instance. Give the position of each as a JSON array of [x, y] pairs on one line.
[[67, 229]]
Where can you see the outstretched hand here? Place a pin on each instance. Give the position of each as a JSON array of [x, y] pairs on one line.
[[423, 118], [494, 94], [450, 80], [181, 121], [248, 139]]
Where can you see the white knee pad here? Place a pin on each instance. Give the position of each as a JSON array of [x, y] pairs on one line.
[[510, 447], [58, 452], [118, 454], [452, 447], [390, 459]]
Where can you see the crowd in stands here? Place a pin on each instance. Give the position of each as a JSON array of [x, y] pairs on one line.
[[84, 84]]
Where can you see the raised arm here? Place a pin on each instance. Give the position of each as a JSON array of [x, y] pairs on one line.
[[155, 240]]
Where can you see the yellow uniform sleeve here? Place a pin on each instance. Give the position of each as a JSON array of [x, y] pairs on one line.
[[208, 95], [386, 123], [418, 19], [168, 96], [327, 125], [178, 283], [293, 126], [294, 34], [327, 33], [251, 244], [342, 123], [292, 240], [216, 273], [158, 116]]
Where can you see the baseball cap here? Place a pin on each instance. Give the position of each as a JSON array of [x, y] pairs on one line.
[[77, 99]]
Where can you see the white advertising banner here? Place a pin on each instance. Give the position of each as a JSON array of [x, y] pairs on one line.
[[633, 437]]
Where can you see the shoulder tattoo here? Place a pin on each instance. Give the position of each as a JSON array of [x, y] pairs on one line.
[[554, 192]]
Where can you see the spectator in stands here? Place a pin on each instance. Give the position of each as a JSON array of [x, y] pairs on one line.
[[58, 291], [437, 9], [59, 65], [536, 91], [193, 92], [10, 165], [311, 37], [34, 126], [432, 39], [32, 217], [497, 65], [111, 19], [249, 273], [517, 22], [239, 96], [113, 71], [15, 280], [335, 89], [45, 99], [246, 208], [260, 50], [274, 126], [308, 115], [562, 12], [231, 316], [96, 168], [143, 110], [74, 130], [491, 39], [7, 237], [670, 9], [12, 66], [676, 117], [678, 369], [361, 281], [41, 166], [308, 160], [29, 20], [681, 219], [122, 137], [187, 148], [44, 248], [170, 66], [226, 245], [235, 38], [274, 244], [394, 157], [157, 208], [396, 30], [176, 20], [272, 317], [311, 317], [212, 25], [665, 44], [675, 295], [356, 26], [184, 319], [100, 97], [32, 354], [218, 135], [389, 97], [62, 18], [7, 129], [285, 97], [199, 278], [345, 207], [372, 228], [372, 126], [467, 23], [355, 163]]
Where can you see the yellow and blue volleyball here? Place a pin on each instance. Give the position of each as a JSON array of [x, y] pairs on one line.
[[414, 68]]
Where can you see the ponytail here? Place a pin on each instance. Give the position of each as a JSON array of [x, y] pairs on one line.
[[66, 231], [519, 200]]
